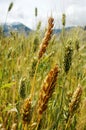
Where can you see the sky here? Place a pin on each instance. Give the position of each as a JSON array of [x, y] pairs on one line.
[[24, 11]]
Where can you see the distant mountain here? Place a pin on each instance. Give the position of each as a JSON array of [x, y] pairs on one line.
[[23, 29], [57, 31], [16, 26]]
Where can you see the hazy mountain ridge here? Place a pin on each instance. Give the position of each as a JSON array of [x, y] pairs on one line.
[[23, 29], [16, 26]]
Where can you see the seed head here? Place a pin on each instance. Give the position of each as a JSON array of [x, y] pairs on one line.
[[10, 6], [14, 126], [75, 100], [26, 111], [77, 44], [63, 19], [47, 38], [36, 12], [68, 57], [22, 88], [47, 90]]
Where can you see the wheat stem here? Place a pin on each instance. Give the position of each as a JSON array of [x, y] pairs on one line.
[[68, 123], [26, 127], [33, 81]]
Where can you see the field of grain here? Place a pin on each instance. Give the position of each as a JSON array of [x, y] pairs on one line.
[[43, 79]]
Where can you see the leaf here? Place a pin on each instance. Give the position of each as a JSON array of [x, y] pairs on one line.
[[8, 85], [0, 74]]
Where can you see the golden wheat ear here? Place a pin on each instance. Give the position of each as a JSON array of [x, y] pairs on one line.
[[26, 111], [46, 91], [75, 100], [73, 105], [47, 38], [81, 122], [42, 50], [14, 126]]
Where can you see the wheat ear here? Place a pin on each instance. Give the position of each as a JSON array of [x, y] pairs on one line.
[[47, 38], [73, 105], [46, 92], [42, 50], [26, 113]]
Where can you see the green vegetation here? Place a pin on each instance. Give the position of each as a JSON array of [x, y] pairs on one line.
[[28, 100]]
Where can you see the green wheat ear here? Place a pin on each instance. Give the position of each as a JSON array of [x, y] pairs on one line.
[[63, 19], [22, 88], [68, 56], [9, 9], [36, 12], [10, 6]]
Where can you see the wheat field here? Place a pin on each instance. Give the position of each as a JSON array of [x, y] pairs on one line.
[[43, 79]]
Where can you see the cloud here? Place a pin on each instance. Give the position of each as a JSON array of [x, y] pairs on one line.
[[24, 11], [76, 15], [5, 1]]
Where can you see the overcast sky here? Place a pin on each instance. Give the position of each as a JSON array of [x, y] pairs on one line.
[[24, 11]]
